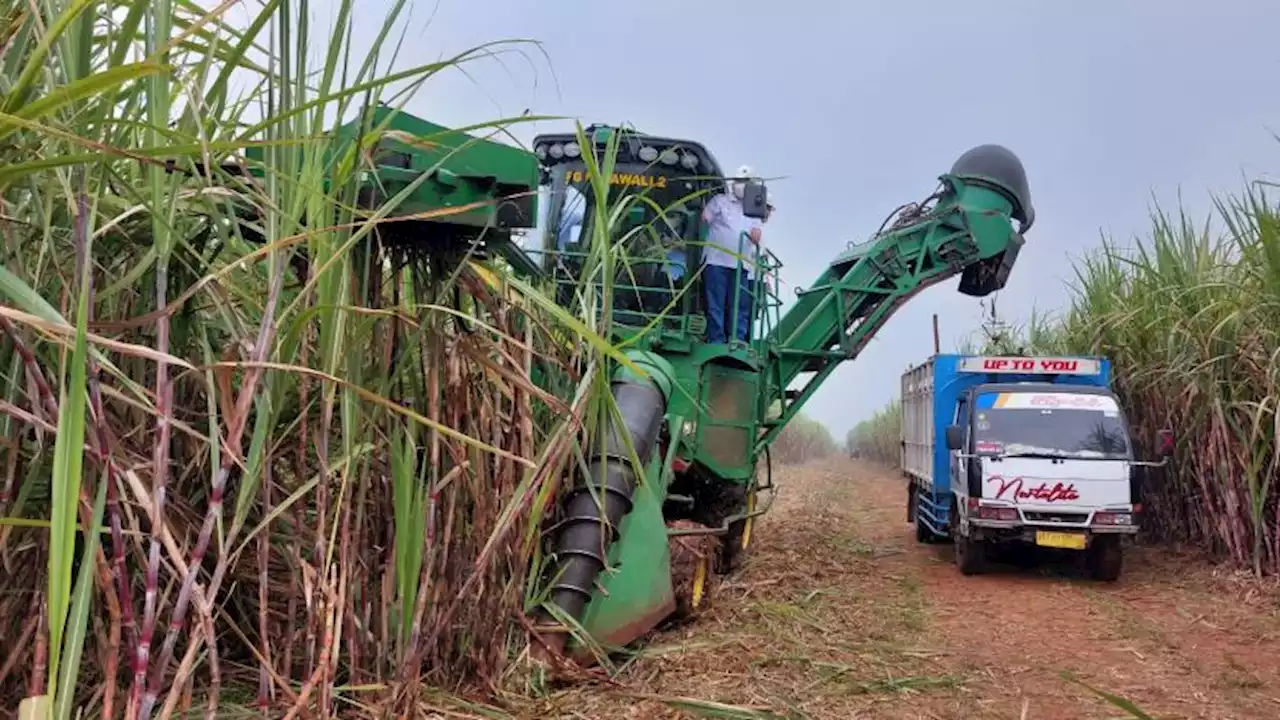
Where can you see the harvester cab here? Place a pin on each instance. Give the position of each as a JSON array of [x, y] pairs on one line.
[[650, 202]]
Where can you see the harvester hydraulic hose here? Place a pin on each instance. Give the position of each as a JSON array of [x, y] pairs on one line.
[[603, 496]]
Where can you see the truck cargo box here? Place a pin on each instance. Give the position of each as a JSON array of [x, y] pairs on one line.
[[917, 421]]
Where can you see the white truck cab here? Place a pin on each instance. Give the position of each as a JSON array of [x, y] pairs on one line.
[[1043, 464], [1027, 459]]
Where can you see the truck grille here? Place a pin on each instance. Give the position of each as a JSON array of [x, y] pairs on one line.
[[1055, 517]]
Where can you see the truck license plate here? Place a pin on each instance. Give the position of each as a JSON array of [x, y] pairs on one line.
[[1070, 541]]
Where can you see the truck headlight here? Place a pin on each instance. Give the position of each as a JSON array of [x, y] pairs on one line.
[[1002, 513], [1113, 518]]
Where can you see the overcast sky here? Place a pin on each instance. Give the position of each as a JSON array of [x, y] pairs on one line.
[[861, 105]]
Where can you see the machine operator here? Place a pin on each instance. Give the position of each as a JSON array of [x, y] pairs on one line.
[[729, 262]]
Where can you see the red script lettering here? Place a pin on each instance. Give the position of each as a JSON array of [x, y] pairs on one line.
[[1041, 492]]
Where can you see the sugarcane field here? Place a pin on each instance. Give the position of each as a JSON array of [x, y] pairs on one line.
[[568, 360]]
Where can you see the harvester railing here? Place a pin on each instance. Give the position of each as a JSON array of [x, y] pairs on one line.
[[647, 293]]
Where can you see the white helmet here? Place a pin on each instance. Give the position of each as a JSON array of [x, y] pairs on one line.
[[739, 183]]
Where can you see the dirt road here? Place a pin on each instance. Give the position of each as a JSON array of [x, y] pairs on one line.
[[840, 614]]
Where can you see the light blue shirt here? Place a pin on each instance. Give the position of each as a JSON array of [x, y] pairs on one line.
[[570, 230], [726, 224], [571, 219], [677, 263]]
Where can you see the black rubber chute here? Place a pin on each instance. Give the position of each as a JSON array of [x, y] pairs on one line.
[[588, 527], [988, 276]]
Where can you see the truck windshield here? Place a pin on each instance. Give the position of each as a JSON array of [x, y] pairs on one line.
[[1071, 425]]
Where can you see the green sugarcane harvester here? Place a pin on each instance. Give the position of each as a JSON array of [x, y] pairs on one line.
[[700, 417], [706, 414]]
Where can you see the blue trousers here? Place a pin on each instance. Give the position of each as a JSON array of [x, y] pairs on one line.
[[717, 282]]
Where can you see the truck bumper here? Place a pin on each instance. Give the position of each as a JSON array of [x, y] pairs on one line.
[[997, 531], [1114, 530]]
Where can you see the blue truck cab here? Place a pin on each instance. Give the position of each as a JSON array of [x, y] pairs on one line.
[[1033, 450]]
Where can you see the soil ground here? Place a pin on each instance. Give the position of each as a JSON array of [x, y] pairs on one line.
[[839, 613]]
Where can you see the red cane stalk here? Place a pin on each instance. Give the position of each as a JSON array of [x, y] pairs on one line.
[[264, 557], [160, 475], [17, 649], [46, 401], [40, 663], [236, 422], [7, 492], [97, 443], [120, 575]]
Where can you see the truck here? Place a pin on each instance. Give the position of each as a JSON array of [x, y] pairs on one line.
[[1016, 450]]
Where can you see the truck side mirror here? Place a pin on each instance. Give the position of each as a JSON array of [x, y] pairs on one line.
[[1164, 443], [755, 200], [955, 437]]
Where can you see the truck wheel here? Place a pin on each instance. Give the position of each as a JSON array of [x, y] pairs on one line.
[[924, 535], [1105, 558], [970, 555]]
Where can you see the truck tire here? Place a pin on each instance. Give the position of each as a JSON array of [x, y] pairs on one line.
[[970, 555], [924, 535], [1105, 558]]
